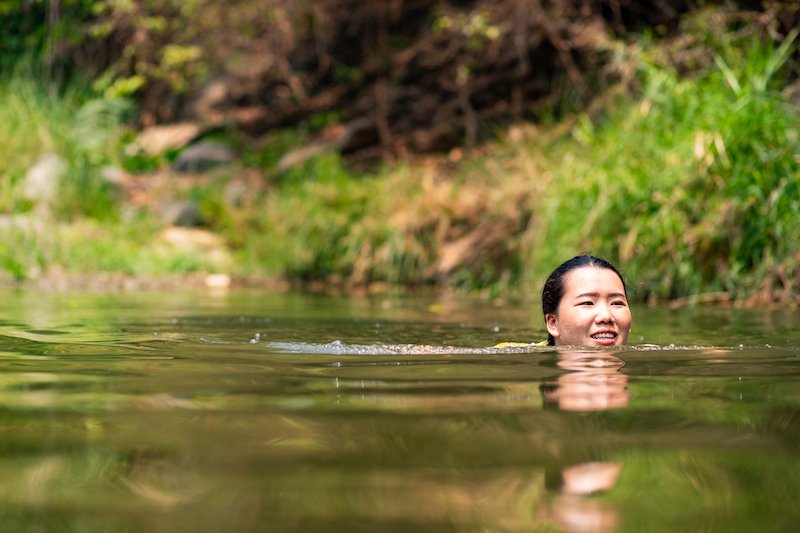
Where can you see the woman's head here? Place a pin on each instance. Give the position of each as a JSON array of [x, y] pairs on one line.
[[584, 302]]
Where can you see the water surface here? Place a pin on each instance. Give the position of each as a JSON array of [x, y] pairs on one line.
[[255, 411]]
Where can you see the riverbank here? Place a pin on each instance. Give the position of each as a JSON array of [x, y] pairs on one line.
[[688, 180]]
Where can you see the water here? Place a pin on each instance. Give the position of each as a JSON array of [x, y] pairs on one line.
[[256, 411]]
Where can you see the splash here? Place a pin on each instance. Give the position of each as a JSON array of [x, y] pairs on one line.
[[338, 347]]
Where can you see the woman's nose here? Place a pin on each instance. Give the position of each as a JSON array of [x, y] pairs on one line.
[[603, 313]]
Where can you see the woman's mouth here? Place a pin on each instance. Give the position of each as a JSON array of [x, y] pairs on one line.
[[604, 338]]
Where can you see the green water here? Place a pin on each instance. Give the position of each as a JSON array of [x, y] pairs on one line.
[[239, 412]]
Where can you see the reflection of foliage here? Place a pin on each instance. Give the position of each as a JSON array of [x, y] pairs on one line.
[[713, 490]]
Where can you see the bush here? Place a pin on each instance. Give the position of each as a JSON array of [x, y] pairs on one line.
[[694, 188]]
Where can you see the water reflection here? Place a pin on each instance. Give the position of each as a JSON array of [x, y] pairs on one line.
[[594, 382], [156, 413]]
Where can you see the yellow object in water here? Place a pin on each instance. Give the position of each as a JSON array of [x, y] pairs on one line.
[[519, 344]]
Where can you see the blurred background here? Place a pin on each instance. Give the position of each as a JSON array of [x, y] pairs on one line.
[[349, 145]]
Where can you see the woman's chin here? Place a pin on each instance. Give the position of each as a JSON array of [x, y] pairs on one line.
[[591, 342]]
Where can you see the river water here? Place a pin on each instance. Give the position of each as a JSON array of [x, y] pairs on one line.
[[256, 411]]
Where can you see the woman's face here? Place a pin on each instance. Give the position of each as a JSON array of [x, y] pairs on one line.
[[593, 311]]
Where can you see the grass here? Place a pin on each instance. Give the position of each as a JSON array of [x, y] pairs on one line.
[[407, 224], [693, 188], [72, 123]]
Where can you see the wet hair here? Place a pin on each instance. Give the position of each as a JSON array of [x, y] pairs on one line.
[[553, 289]]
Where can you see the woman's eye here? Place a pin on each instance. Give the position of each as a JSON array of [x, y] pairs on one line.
[[619, 302], [585, 303]]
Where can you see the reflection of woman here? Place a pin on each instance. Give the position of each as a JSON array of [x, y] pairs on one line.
[[585, 303], [595, 382], [572, 511]]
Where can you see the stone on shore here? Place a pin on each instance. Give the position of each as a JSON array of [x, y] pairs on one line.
[[156, 140], [204, 156], [43, 179]]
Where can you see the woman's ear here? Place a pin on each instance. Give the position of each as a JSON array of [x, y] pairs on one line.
[[552, 325]]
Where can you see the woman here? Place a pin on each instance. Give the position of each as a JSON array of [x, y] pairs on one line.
[[585, 303]]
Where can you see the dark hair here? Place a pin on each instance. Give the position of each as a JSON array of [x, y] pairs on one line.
[[553, 289]]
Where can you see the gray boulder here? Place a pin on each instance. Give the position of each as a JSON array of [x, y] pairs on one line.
[[185, 213], [203, 156], [43, 179]]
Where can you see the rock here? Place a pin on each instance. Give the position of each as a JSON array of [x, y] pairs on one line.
[[203, 156], [186, 214], [236, 193], [191, 239], [113, 175], [43, 179], [218, 281], [158, 139], [23, 222], [200, 241]]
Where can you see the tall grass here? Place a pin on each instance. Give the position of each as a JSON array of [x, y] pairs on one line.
[[323, 222], [693, 188], [78, 228], [407, 224], [80, 127]]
